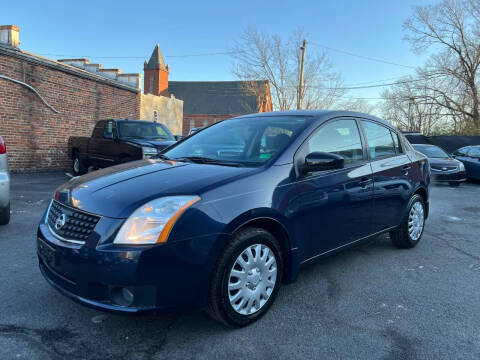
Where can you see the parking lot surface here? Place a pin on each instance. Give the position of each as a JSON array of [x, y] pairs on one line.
[[371, 302]]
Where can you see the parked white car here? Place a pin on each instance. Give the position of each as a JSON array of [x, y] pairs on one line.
[[4, 185]]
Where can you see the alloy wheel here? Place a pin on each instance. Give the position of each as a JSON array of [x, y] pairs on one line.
[[76, 165]]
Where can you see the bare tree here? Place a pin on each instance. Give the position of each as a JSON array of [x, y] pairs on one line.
[[407, 104], [359, 105], [259, 55], [452, 29]]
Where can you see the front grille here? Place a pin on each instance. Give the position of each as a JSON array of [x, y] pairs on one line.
[[77, 225], [443, 168]]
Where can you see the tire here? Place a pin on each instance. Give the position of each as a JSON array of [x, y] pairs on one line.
[[79, 167], [454, 184], [5, 215], [255, 285], [401, 236]]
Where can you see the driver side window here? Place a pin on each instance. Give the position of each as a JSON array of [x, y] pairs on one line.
[[339, 137]]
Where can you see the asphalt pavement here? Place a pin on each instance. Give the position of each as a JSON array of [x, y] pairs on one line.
[[371, 302]]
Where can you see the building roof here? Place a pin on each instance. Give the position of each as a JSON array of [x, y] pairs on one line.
[[156, 60], [219, 97], [65, 67]]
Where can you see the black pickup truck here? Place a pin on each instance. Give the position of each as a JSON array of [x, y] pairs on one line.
[[116, 141]]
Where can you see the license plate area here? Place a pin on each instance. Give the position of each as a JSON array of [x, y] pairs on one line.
[[47, 253]]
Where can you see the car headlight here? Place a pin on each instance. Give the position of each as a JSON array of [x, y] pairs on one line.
[[152, 222], [461, 167], [149, 151]]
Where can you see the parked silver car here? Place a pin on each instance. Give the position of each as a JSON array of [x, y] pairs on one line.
[[4, 185]]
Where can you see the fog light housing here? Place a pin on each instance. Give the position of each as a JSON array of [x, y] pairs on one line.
[[122, 296]]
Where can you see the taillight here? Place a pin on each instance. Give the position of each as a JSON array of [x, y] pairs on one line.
[[3, 147]]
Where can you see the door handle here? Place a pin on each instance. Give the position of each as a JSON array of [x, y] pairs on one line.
[[365, 182], [405, 169]]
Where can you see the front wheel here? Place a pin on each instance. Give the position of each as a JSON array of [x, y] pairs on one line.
[[410, 231], [246, 279], [454, 183], [78, 165]]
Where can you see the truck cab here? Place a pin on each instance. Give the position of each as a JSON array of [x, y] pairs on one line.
[[115, 141]]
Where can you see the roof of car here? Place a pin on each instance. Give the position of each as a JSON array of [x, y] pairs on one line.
[[317, 114], [134, 120]]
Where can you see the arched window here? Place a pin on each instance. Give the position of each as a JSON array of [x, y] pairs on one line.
[[151, 84]]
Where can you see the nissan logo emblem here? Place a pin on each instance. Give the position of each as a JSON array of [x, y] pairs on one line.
[[60, 222]]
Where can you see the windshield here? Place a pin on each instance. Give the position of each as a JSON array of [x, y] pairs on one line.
[[143, 130], [248, 141], [431, 151]]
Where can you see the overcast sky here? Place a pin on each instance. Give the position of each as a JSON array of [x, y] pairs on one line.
[[132, 28]]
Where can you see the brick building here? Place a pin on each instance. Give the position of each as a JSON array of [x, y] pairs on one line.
[[43, 102], [206, 102]]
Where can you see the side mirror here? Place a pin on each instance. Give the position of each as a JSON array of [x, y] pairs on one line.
[[108, 136], [321, 161], [178, 137]]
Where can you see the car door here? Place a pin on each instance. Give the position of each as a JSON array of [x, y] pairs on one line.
[[94, 144], [391, 175], [332, 208], [472, 162], [108, 145]]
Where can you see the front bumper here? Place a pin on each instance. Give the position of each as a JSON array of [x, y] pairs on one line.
[[451, 176], [163, 278]]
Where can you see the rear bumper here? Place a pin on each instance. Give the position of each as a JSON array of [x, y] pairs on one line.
[[163, 278], [4, 188]]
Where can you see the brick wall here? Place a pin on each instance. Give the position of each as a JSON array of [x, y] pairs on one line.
[[36, 136], [200, 120]]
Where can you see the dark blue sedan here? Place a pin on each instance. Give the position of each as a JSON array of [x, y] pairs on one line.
[[222, 218], [470, 157]]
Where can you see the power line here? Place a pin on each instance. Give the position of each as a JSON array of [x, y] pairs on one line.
[[141, 57], [374, 86], [362, 56], [378, 81]]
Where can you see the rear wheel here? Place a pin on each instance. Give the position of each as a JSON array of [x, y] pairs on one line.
[[410, 231], [5, 215], [79, 167], [246, 279]]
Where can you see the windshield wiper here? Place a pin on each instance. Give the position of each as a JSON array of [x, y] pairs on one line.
[[161, 156], [205, 160]]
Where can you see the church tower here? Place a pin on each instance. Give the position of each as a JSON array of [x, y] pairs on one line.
[[155, 79]]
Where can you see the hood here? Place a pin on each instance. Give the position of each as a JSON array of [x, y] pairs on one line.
[[119, 190], [439, 163], [159, 144], [443, 162]]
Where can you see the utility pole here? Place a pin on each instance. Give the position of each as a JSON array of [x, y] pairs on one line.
[[300, 84]]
